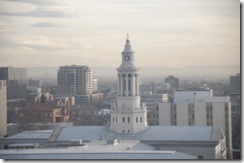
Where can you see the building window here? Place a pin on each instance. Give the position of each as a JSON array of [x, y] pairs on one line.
[[129, 85], [157, 108], [136, 119], [116, 119], [128, 130], [123, 119], [141, 119], [113, 119], [128, 119]]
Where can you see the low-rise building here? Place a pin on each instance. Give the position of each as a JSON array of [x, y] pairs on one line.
[[198, 108], [42, 113], [41, 137], [98, 142], [95, 150]]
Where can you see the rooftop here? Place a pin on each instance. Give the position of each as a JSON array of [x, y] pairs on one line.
[[128, 149], [40, 134], [152, 133]]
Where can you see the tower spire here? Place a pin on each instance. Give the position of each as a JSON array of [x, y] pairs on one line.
[[127, 38]]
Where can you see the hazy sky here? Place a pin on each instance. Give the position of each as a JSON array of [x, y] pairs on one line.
[[173, 33]]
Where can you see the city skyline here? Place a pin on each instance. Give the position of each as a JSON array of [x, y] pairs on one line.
[[163, 33]]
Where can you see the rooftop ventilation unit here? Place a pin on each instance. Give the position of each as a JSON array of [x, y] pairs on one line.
[[112, 141], [76, 141]]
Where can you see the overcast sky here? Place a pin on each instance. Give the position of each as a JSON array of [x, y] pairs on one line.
[[172, 33]]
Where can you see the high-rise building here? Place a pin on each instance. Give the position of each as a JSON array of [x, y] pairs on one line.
[[235, 97], [127, 115], [3, 108], [173, 82], [94, 85], [34, 83], [16, 82], [235, 84], [235, 89], [198, 108], [75, 80]]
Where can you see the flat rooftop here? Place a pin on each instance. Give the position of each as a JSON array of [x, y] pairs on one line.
[[40, 134], [151, 133], [127, 149]]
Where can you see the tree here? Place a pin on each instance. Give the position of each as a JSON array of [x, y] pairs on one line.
[[28, 119], [86, 115]]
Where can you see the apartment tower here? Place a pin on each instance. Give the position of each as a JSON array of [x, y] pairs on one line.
[[75, 80]]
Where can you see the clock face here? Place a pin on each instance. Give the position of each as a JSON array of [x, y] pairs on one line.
[[127, 58]]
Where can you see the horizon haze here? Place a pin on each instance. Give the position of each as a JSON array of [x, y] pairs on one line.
[[149, 73]]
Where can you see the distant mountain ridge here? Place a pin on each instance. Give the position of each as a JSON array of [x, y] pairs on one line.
[[148, 72]]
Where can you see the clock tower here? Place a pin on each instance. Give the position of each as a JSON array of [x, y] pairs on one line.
[[127, 114]]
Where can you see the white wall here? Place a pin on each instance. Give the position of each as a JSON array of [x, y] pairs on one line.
[[3, 108], [200, 114], [164, 114], [182, 114], [219, 115]]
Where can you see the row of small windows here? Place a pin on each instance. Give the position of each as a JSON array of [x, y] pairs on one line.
[[115, 119]]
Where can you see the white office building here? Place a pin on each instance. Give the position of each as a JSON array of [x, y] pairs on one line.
[[198, 108]]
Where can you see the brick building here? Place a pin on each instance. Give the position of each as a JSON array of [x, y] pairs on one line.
[[42, 113]]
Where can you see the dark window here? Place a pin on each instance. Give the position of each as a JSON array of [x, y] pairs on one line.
[[129, 84], [128, 119], [123, 119]]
